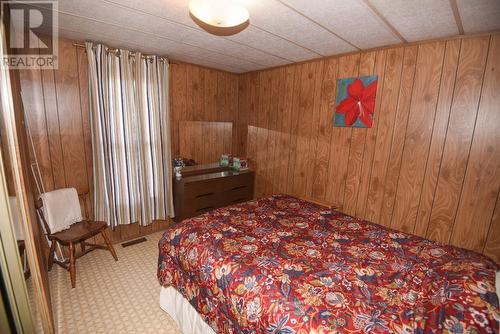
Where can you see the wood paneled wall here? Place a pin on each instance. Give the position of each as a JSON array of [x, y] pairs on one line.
[[430, 165], [205, 141], [57, 103], [201, 94], [56, 106]]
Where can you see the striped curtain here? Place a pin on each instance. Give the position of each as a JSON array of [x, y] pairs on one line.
[[130, 127]]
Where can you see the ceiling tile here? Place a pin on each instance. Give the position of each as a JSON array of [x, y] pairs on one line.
[[130, 19], [344, 18], [78, 36], [282, 48], [280, 31], [278, 19], [479, 16], [420, 19], [176, 11], [99, 29]]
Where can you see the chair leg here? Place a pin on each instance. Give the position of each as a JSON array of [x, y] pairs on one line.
[[72, 268], [51, 254], [82, 246], [110, 246]]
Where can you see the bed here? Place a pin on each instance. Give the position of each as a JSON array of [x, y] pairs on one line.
[[284, 265]]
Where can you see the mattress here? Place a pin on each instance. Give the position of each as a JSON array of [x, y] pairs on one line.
[[280, 264]]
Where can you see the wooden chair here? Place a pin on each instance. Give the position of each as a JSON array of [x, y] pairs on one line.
[[77, 233]]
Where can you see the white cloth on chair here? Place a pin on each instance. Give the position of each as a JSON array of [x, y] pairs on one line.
[[61, 208]]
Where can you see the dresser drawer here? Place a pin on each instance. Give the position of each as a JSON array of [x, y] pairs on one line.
[[192, 211], [201, 202], [238, 195], [198, 194], [205, 188], [239, 182]]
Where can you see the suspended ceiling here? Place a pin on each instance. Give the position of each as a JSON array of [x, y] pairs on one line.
[[280, 31]]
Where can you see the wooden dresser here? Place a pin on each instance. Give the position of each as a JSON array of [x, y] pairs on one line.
[[207, 187]]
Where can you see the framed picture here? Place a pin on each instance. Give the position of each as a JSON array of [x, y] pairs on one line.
[[355, 102]]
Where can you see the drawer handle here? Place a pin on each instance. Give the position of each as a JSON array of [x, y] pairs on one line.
[[203, 195], [238, 187], [205, 208], [239, 200]]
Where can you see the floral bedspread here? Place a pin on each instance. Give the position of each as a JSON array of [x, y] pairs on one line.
[[282, 265]]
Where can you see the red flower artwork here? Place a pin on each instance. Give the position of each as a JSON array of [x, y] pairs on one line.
[[359, 103]]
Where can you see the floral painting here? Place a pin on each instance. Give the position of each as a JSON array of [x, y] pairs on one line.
[[356, 102]]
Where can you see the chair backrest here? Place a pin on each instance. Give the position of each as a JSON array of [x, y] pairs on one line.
[[39, 209]]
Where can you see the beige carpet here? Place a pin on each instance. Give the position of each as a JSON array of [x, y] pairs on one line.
[[112, 297]]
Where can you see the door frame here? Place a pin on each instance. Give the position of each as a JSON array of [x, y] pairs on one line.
[[9, 253]]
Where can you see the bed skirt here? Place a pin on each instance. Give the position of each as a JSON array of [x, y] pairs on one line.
[[183, 313]]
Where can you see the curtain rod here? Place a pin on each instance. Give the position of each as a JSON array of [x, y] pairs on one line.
[[115, 50]]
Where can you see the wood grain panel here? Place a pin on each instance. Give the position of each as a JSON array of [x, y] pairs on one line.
[[84, 110], [482, 179], [253, 104], [286, 101], [70, 118], [492, 246], [294, 125], [441, 119], [197, 77], [428, 98], [222, 108], [322, 154], [243, 109], [183, 114], [232, 112], [317, 122], [464, 108], [202, 94], [388, 108], [262, 132], [210, 95], [399, 134], [194, 134], [33, 102], [339, 145], [357, 148], [178, 102], [303, 129], [53, 129], [371, 136], [273, 137], [422, 109]]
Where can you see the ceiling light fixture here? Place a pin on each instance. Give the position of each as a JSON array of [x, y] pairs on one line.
[[219, 17]]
